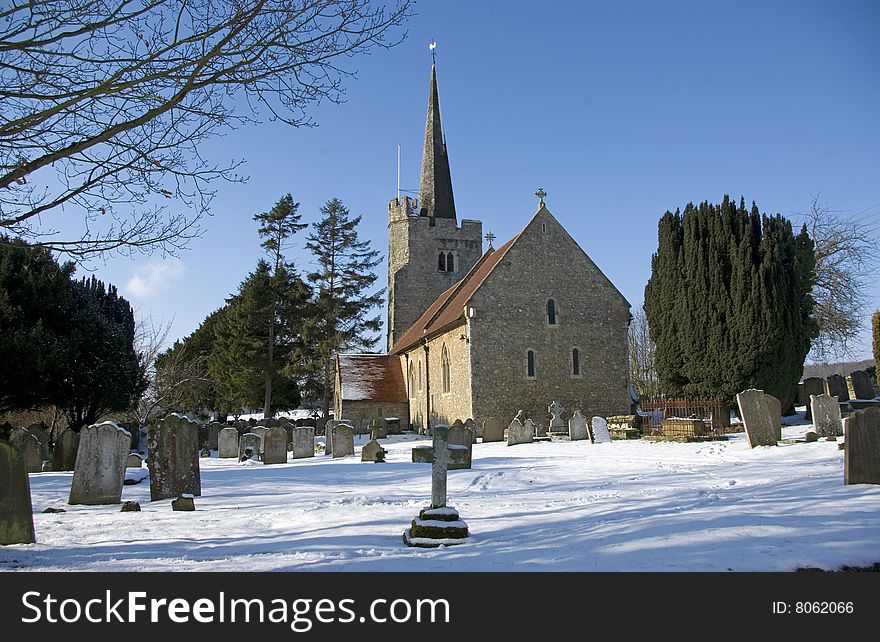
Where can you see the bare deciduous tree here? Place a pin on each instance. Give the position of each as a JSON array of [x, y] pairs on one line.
[[642, 371], [107, 102]]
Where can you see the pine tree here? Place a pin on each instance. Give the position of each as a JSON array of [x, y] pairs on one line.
[[343, 277]]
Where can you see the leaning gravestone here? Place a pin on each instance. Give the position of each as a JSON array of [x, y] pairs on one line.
[[214, 429], [493, 430], [862, 384], [826, 415], [64, 455], [275, 446], [303, 438], [458, 435], [812, 386], [755, 414], [556, 423], [577, 427], [343, 441], [16, 512], [250, 446], [774, 406], [227, 443], [861, 453], [836, 385], [100, 465], [518, 433], [370, 450], [29, 447], [600, 431], [173, 458]]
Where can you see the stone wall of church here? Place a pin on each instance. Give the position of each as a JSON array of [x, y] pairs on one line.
[[510, 318], [360, 413], [414, 246]]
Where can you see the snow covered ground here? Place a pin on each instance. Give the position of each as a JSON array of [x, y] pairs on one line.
[[561, 506]]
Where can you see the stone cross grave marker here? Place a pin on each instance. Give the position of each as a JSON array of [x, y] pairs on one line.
[[755, 414], [556, 423], [438, 468], [826, 415], [861, 453], [173, 458], [275, 446], [16, 512], [577, 427], [100, 465]]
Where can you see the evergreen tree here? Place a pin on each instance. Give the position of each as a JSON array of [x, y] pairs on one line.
[[344, 274], [728, 301], [276, 227]]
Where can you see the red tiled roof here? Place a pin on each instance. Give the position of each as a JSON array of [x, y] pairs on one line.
[[448, 308], [371, 377]]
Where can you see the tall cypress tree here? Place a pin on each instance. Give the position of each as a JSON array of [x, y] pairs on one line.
[[728, 301]]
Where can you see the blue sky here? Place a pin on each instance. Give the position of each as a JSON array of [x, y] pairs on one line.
[[619, 110]]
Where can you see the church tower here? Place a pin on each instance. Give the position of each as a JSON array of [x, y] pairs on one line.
[[427, 251]]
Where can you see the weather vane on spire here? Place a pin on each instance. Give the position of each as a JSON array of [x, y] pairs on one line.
[[490, 237], [540, 193], [433, 47]]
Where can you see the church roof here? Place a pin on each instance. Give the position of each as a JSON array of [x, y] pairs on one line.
[[371, 377], [435, 184], [448, 308]]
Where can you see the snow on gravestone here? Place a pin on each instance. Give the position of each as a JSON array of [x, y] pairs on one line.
[[29, 447], [100, 465], [458, 435], [227, 443], [493, 430], [16, 513], [173, 458], [275, 446], [861, 457], [303, 438], [774, 406], [577, 427], [518, 433], [600, 431], [249, 447], [64, 455], [755, 415], [343, 440], [826, 415]]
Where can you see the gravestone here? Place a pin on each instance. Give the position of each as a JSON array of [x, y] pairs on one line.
[[826, 415], [540, 430], [320, 426], [260, 431], [99, 472], [600, 431], [836, 386], [343, 441], [303, 442], [64, 455], [29, 447], [203, 436], [275, 446], [459, 435], [862, 384], [134, 461], [173, 458], [214, 429], [518, 433], [371, 450], [378, 429], [185, 502], [861, 452], [755, 414], [391, 426], [271, 422], [471, 425], [250, 446], [774, 407], [16, 511], [556, 423], [38, 431], [812, 386], [227, 443], [493, 430], [799, 398], [577, 427], [328, 435]]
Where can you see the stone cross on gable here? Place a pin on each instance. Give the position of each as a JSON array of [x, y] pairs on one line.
[[439, 467], [540, 193]]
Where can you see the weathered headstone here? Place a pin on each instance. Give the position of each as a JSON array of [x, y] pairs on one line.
[[134, 461], [539, 428], [100, 465], [518, 433], [303, 442], [826, 415], [493, 430], [774, 407], [260, 431], [64, 455], [600, 431], [459, 435], [185, 502], [862, 384], [328, 435], [577, 427], [392, 426], [812, 386], [343, 441], [214, 429], [836, 386], [556, 423], [275, 446], [173, 458], [250, 446], [39, 431], [378, 429], [29, 447], [755, 414], [227, 443], [16, 512], [371, 450], [861, 453]]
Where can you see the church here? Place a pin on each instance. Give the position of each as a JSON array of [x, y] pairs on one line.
[[479, 334]]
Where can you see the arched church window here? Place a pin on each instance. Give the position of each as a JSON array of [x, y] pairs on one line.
[[530, 364], [444, 368], [441, 263], [551, 312], [450, 263], [575, 362]]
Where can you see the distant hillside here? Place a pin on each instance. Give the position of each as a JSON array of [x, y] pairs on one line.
[[843, 368]]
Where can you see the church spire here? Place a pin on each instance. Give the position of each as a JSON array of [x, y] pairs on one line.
[[435, 185]]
